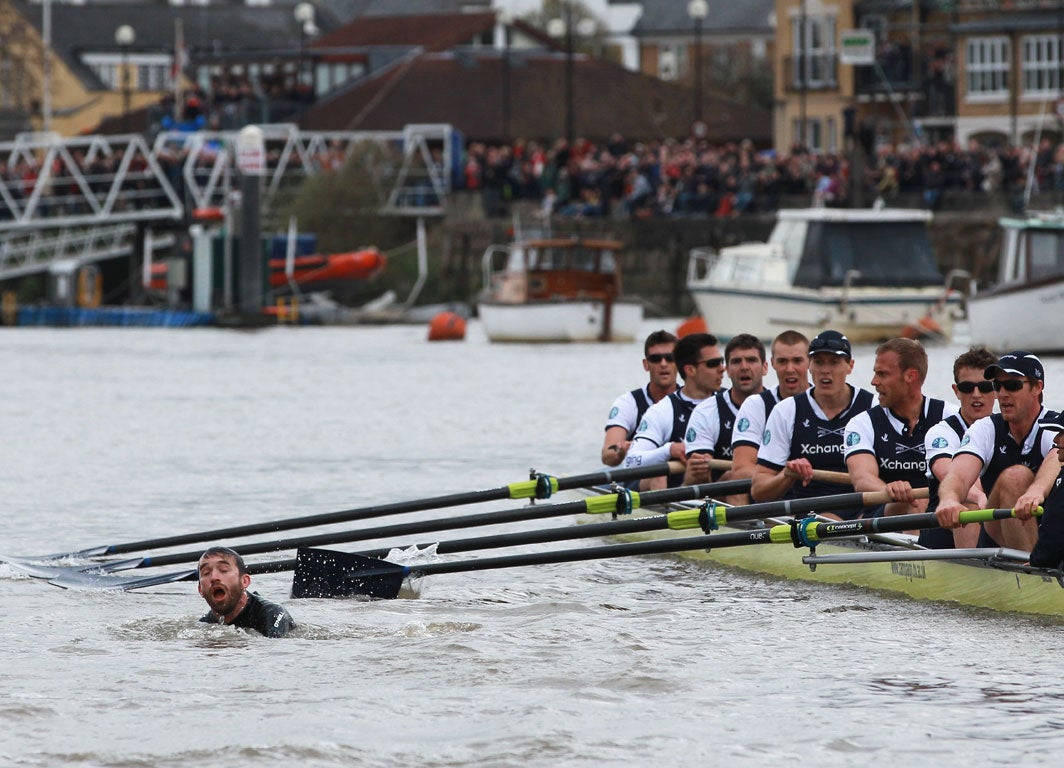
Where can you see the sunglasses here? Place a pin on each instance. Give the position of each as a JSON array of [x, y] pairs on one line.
[[713, 362], [967, 387], [657, 358], [1009, 385]]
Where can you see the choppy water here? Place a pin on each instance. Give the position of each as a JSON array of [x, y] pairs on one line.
[[114, 435]]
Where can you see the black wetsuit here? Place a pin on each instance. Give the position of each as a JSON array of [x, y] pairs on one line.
[[262, 615]]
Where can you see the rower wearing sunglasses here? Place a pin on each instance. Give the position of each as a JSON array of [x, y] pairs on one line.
[[885, 444], [659, 438], [1010, 450], [709, 433], [806, 431], [977, 399], [628, 409]]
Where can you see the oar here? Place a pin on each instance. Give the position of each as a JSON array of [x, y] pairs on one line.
[[539, 487], [325, 573], [619, 503], [821, 475]]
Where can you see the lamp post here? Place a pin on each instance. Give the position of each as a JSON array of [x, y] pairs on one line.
[[124, 36], [304, 13], [504, 19], [803, 64], [564, 27], [698, 10]]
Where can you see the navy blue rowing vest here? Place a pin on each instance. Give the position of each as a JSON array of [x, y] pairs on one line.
[[641, 405], [1007, 452], [681, 416], [902, 457], [821, 441]]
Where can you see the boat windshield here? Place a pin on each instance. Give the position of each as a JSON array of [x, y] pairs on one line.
[[578, 257], [885, 253], [1046, 251]]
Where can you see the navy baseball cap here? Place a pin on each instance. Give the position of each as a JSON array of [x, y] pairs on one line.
[[831, 341], [1017, 363]]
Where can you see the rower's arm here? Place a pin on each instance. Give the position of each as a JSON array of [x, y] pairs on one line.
[[614, 445], [744, 461], [1041, 486], [963, 471], [770, 484], [864, 473]]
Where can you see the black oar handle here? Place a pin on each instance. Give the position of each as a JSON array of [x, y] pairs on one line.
[[528, 512], [524, 489]]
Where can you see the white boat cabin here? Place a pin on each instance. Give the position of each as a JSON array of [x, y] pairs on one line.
[[552, 269]]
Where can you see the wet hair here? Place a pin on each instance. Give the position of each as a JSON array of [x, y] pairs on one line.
[[657, 337], [976, 357], [688, 348], [745, 341], [787, 338], [232, 554], [911, 355]]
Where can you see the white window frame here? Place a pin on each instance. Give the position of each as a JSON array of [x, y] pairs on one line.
[[671, 56], [987, 65], [1040, 65], [820, 31], [149, 71]]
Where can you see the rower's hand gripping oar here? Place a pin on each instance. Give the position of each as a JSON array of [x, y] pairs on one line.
[[325, 573], [539, 486]]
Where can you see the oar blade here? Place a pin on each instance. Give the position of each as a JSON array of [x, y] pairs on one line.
[[102, 580], [328, 573]]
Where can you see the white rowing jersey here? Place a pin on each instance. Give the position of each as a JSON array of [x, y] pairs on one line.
[[710, 431], [628, 409], [665, 422], [753, 413]]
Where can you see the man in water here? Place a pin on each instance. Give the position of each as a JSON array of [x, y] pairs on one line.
[[223, 583]]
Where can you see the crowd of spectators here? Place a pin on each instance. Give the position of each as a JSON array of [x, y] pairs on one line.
[[617, 178], [623, 179]]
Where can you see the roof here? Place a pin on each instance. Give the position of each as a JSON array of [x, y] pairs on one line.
[[80, 29], [346, 10], [669, 17], [466, 90], [433, 32]]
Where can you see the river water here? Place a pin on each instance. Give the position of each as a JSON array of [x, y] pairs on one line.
[[117, 435]]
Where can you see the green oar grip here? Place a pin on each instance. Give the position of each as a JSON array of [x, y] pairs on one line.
[[684, 519], [602, 505], [985, 515], [526, 489]]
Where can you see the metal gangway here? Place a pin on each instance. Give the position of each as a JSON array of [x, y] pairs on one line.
[[89, 198]]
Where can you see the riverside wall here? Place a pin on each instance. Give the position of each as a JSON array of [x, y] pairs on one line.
[[654, 262]]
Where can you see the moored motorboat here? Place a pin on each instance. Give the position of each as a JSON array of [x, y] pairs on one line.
[[1019, 310], [556, 290], [869, 273]]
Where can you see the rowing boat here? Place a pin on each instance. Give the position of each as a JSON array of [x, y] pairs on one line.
[[989, 578]]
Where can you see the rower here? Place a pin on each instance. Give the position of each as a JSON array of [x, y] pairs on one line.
[[223, 583], [977, 399], [1011, 452], [660, 435], [628, 409], [709, 432], [885, 445], [1048, 552], [790, 361], [805, 432]]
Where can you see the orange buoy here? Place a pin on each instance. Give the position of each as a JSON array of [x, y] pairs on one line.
[[212, 214], [696, 324], [447, 326]]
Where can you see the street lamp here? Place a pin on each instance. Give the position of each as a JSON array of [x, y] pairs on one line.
[[124, 36], [698, 10], [504, 19], [557, 28], [304, 13]]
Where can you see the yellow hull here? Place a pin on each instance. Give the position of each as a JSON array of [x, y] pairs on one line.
[[967, 582]]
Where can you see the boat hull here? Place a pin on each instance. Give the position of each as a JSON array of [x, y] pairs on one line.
[[559, 321], [967, 582], [863, 315], [1019, 318]]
